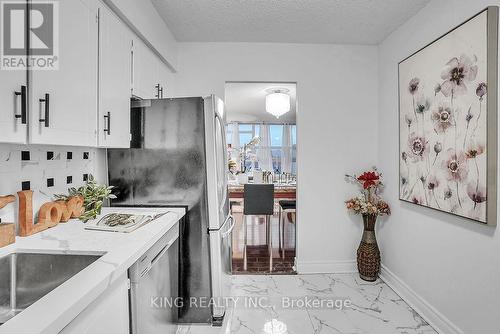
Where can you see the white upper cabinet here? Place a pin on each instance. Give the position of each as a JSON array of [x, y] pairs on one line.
[[151, 76], [166, 80], [145, 77], [115, 72], [85, 100], [13, 112], [64, 101]]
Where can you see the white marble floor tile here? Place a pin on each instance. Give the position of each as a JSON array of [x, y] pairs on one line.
[[374, 307], [252, 321], [254, 285], [332, 321], [200, 329], [291, 322]]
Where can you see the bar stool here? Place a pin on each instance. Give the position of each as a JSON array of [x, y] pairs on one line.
[[285, 207], [258, 199]]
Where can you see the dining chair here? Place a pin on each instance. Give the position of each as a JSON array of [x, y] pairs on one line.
[[285, 206], [258, 200]]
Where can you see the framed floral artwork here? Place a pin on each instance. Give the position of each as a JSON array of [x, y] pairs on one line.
[[448, 121]]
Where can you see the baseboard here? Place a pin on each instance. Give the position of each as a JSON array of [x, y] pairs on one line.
[[319, 267], [436, 319]]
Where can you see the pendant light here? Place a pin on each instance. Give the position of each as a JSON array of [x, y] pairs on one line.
[[278, 103]]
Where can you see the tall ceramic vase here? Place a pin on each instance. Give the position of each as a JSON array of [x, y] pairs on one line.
[[368, 252]]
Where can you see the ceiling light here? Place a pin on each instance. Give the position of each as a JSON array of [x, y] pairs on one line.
[[278, 103]]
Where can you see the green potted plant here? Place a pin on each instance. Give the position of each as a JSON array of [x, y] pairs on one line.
[[93, 195]]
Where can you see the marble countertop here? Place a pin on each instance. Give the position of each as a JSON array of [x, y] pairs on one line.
[[54, 311]]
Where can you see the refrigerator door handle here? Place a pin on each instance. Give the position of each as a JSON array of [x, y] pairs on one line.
[[230, 230], [224, 148]]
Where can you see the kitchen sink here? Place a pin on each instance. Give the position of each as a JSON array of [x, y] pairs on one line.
[[27, 277]]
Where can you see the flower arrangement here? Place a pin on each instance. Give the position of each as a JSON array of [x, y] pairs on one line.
[[369, 202], [246, 153]]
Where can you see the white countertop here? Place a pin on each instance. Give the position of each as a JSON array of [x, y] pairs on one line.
[[55, 310]]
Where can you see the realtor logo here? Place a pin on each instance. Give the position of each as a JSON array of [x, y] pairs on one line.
[[29, 35]]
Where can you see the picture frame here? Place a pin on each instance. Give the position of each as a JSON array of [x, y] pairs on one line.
[[448, 125]]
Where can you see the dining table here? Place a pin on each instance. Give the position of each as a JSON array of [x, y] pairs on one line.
[[281, 190]]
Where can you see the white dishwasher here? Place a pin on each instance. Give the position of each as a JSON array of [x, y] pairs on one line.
[[154, 287]]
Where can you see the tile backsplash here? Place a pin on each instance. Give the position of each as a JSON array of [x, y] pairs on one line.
[[47, 170]]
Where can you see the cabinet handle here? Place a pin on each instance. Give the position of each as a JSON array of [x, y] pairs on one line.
[[47, 110], [161, 92], [157, 86], [107, 119], [23, 115]]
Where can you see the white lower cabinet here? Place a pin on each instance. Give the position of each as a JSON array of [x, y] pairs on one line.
[[115, 72], [108, 314]]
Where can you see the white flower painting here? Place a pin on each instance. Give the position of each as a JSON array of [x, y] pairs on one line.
[[443, 113]]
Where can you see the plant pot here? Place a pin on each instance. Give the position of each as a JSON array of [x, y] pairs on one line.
[[7, 234], [368, 252]]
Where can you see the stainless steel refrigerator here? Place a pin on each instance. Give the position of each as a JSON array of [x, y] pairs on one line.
[[178, 158]]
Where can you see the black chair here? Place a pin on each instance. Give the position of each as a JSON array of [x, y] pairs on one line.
[[258, 200], [285, 207]]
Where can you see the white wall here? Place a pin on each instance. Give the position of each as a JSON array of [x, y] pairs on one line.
[[36, 170], [337, 122], [451, 263]]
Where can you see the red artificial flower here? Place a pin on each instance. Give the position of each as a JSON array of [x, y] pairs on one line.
[[369, 179]]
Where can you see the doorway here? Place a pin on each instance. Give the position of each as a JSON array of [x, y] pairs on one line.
[[262, 149]]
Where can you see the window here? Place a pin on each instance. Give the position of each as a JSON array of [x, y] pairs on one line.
[[294, 149], [247, 131], [277, 148], [276, 135]]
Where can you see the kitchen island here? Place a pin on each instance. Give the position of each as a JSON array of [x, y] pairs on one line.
[[76, 298]]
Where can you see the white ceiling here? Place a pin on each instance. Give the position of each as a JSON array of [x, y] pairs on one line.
[[286, 21], [246, 102]]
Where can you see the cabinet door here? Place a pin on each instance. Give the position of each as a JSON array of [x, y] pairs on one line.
[[67, 98], [109, 313], [13, 92], [166, 80], [145, 71], [115, 80]]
